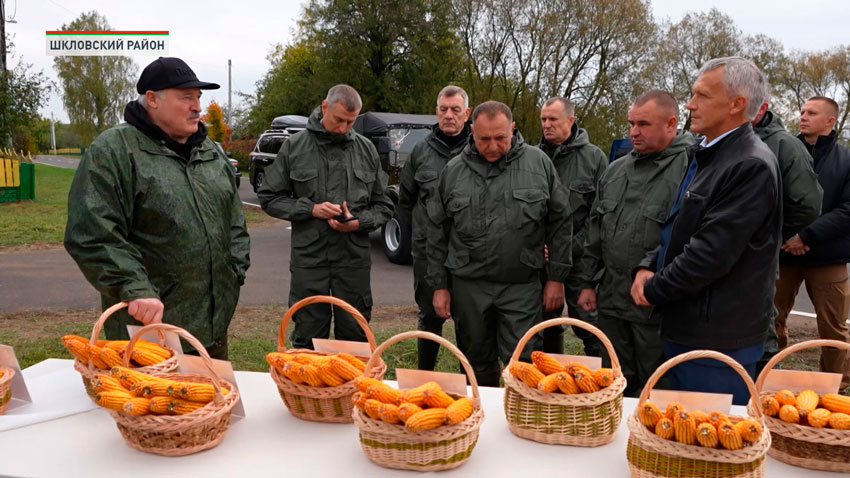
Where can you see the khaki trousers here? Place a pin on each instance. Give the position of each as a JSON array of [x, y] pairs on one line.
[[829, 290]]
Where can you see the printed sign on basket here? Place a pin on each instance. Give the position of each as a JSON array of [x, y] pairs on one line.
[[450, 382], [224, 369], [20, 394]]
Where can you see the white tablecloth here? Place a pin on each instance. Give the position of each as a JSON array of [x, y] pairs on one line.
[[272, 442]]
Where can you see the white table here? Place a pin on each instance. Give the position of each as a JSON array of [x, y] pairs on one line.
[[272, 442]]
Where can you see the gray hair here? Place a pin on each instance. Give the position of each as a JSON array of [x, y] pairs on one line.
[[569, 107], [741, 77], [492, 108], [346, 95], [144, 101], [452, 90]]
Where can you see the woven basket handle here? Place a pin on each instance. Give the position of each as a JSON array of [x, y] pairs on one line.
[[324, 299], [698, 354], [808, 344], [98, 325], [615, 362], [428, 336], [189, 338]]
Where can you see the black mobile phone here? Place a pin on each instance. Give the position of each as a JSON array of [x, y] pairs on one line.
[[342, 218]]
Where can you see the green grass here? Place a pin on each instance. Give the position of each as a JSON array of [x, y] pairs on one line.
[[41, 220]]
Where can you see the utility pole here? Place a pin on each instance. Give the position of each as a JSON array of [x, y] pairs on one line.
[[229, 97], [53, 133], [3, 36]]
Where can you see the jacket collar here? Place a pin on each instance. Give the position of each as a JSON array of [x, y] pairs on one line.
[[824, 143], [136, 115], [704, 154]]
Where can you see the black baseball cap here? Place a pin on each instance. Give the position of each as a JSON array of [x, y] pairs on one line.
[[167, 72]]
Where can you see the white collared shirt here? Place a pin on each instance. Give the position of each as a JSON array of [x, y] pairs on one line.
[[715, 140]]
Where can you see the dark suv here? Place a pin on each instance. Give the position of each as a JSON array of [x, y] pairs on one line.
[[394, 136], [269, 144]]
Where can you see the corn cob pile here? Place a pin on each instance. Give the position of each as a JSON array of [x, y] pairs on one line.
[[549, 375], [317, 370], [808, 408], [110, 353], [424, 407], [136, 393], [711, 430]]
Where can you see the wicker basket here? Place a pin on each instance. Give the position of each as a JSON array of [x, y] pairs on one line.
[[651, 456], [178, 435], [801, 445], [583, 419], [88, 371], [326, 404], [5, 388], [443, 448]]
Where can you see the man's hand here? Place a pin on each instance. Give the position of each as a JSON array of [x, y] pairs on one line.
[[553, 295], [443, 303], [637, 287], [795, 246], [326, 210], [587, 300], [146, 311], [345, 226]]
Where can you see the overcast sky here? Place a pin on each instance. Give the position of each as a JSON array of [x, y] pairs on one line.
[[208, 33]]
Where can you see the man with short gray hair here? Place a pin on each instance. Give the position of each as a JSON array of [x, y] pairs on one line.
[[711, 279], [328, 182]]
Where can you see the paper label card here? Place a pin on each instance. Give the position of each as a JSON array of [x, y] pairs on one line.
[[327, 346], [451, 382], [20, 393], [224, 369], [172, 340], [799, 380], [589, 361], [707, 402]]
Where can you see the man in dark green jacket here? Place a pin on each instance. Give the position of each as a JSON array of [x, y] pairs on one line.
[[634, 196], [801, 193], [497, 204], [328, 182], [154, 217], [580, 165], [418, 183]]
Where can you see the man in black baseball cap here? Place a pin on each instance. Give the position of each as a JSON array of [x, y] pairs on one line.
[[154, 216]]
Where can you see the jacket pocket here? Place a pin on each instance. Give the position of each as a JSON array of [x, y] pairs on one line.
[[532, 258], [359, 189], [304, 182], [654, 217], [464, 221], [530, 207], [304, 236], [582, 193], [426, 182], [456, 259], [360, 239], [606, 209]]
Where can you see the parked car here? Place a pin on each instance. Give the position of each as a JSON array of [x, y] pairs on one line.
[[394, 136], [619, 147], [233, 163], [269, 144]]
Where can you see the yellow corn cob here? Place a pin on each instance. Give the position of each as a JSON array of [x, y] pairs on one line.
[[358, 364], [292, 371], [137, 406], [305, 358], [362, 383], [717, 418], [77, 346], [277, 359], [458, 411], [427, 419], [373, 408], [839, 421], [835, 403], [573, 367], [549, 383], [685, 428], [526, 372], [388, 413], [358, 399], [819, 417], [110, 357], [407, 410], [326, 373], [786, 397], [673, 409], [93, 352], [173, 406], [113, 399], [566, 383], [707, 435], [649, 414], [145, 357], [546, 363], [700, 417], [152, 347], [127, 377], [789, 413], [194, 391], [151, 389], [770, 405], [664, 428], [749, 429], [729, 437], [802, 414], [807, 400], [383, 393], [105, 383], [603, 377], [435, 397], [416, 395], [585, 381], [343, 369], [311, 375], [116, 345]]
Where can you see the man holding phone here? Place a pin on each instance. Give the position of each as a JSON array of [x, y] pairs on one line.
[[328, 182]]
